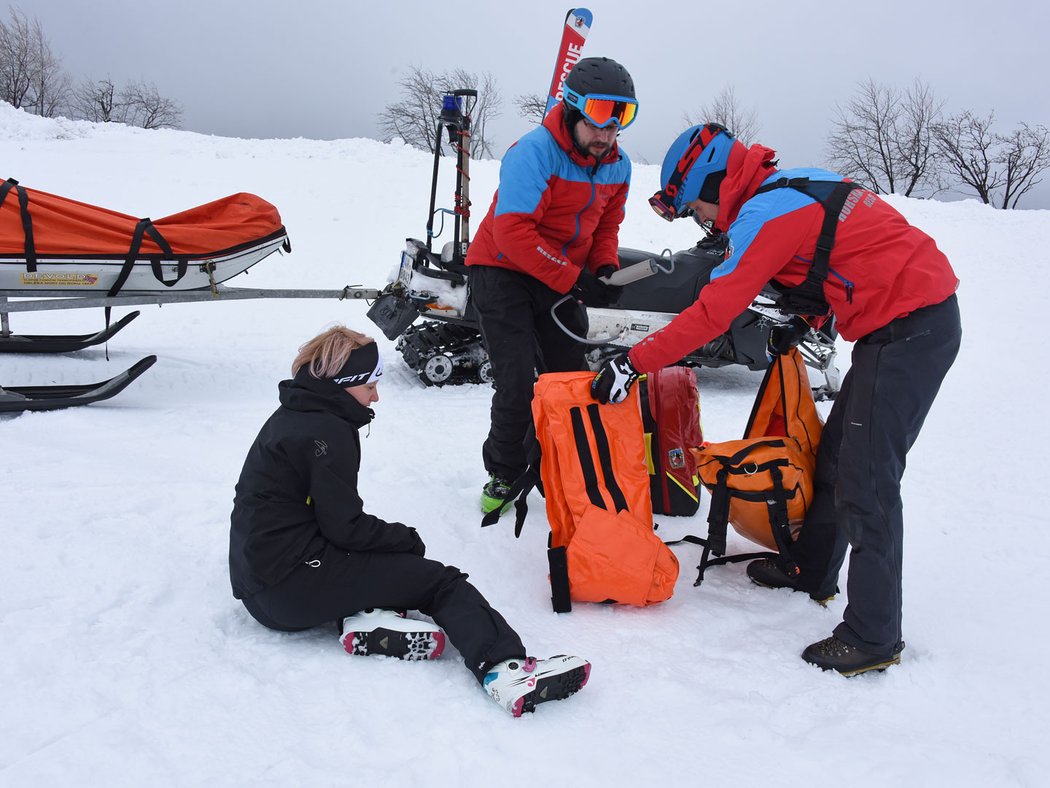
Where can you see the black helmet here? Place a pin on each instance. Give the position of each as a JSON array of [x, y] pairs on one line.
[[612, 88], [600, 75]]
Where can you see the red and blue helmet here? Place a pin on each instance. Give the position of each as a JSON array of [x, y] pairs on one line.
[[693, 169]]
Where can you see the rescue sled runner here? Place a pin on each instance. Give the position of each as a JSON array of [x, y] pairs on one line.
[[21, 398]]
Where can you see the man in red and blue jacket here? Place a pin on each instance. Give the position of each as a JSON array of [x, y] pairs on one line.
[[552, 229], [831, 247]]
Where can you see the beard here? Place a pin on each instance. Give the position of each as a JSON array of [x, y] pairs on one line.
[[599, 150]]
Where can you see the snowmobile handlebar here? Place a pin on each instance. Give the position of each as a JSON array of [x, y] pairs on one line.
[[642, 270], [624, 276]]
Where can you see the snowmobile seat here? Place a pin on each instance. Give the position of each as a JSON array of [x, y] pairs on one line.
[[671, 292], [449, 259], [438, 266]]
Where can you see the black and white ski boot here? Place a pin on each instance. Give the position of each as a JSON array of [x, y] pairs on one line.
[[387, 633], [518, 685]]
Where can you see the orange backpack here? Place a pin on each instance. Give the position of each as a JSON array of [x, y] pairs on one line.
[[596, 486], [763, 484]]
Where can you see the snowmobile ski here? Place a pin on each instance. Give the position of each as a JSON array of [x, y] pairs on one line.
[[22, 398], [68, 343], [574, 34]]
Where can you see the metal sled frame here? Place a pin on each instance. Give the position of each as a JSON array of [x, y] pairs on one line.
[[18, 399], [46, 301]]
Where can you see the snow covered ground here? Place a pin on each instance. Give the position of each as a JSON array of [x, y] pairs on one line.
[[124, 659]]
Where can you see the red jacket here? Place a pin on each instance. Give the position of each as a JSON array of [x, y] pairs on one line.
[[555, 211], [881, 267]]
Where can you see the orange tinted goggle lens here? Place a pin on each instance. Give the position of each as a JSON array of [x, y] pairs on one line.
[[663, 205], [601, 112]]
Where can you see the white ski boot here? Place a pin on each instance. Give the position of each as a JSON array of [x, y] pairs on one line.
[[519, 684], [390, 634]]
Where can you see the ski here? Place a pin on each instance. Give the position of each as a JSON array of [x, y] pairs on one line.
[[66, 343], [21, 398], [574, 34]]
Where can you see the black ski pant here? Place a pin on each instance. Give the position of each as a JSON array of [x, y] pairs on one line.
[[885, 397], [522, 339], [338, 584]]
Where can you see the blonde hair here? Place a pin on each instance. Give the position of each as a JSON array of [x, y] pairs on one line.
[[327, 352]]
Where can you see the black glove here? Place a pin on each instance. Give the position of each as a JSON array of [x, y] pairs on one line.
[[614, 380], [592, 291], [417, 548], [784, 336]]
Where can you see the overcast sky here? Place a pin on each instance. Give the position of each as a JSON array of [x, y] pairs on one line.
[[325, 68]]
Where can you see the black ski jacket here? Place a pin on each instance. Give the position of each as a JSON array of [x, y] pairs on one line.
[[297, 493]]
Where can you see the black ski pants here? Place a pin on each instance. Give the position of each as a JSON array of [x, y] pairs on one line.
[[522, 339], [885, 397], [338, 584]]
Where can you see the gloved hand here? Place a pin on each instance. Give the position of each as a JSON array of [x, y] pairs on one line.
[[417, 548], [784, 336], [592, 291], [614, 380]]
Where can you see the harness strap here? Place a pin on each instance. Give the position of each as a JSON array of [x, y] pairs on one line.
[[583, 451], [27, 220], [657, 485], [807, 298], [740, 456], [557, 560], [601, 440], [706, 560], [778, 521], [718, 513], [143, 227]]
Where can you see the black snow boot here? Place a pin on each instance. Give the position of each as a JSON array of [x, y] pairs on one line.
[[834, 654], [765, 572]]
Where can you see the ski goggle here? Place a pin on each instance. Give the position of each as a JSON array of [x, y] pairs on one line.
[[664, 202], [600, 110]]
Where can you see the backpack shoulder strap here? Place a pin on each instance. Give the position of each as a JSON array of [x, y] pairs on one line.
[[808, 298]]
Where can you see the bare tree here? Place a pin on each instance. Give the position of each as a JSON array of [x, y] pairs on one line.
[[97, 101], [726, 110], [965, 143], [999, 168], [1024, 155], [31, 75], [414, 118], [145, 107], [532, 107], [488, 108], [15, 58], [51, 85], [883, 138], [916, 149]]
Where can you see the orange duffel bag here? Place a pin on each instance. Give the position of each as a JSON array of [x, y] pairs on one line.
[[596, 486], [763, 484]]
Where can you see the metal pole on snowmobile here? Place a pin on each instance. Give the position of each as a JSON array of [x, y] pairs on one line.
[[434, 186], [456, 109], [459, 132]]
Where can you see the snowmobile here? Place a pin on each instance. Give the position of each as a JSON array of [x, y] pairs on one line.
[[445, 347]]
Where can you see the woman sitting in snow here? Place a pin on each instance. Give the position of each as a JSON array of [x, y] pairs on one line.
[[303, 552]]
